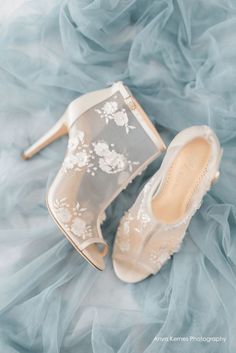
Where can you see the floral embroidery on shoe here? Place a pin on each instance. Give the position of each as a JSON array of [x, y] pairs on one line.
[[81, 229], [123, 233], [72, 218], [121, 118], [78, 210], [74, 142], [78, 155], [101, 148], [81, 156], [61, 209], [109, 108], [76, 161], [110, 161], [109, 111]]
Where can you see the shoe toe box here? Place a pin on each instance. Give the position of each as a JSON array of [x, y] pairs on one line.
[[129, 272]]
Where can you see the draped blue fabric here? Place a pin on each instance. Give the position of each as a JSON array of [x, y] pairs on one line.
[[179, 59]]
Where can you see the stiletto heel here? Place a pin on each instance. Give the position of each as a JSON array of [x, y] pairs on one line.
[[57, 131], [107, 134]]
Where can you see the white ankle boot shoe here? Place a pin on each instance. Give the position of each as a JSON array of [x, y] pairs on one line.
[[111, 140], [154, 227]]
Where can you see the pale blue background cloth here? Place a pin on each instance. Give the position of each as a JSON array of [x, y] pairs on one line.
[[179, 59]]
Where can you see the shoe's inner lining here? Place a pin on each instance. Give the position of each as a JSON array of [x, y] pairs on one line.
[[181, 181]]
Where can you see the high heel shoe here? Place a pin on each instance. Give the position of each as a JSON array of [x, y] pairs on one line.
[[154, 227], [107, 133]]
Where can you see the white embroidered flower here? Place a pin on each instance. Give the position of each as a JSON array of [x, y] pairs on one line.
[[112, 162], [104, 166], [63, 215], [115, 160], [109, 112], [110, 107], [73, 143], [79, 227], [78, 210], [84, 156], [81, 159], [121, 118], [101, 148], [80, 135], [61, 210], [75, 140], [69, 162]]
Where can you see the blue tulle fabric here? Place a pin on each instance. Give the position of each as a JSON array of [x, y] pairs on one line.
[[179, 59]]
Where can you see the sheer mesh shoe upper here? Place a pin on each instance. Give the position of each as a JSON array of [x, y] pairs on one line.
[[105, 152], [144, 243]]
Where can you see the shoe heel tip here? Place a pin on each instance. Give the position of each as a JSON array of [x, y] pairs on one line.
[[163, 148], [24, 156]]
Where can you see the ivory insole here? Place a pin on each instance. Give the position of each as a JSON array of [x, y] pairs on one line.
[[181, 180]]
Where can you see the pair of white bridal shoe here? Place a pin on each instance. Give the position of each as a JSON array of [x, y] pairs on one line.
[[111, 141]]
